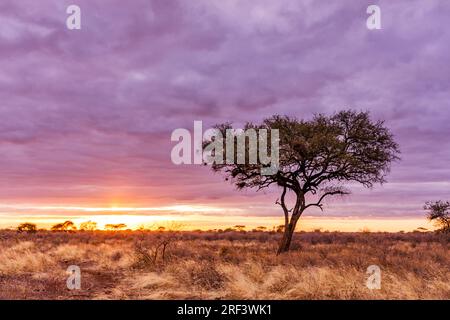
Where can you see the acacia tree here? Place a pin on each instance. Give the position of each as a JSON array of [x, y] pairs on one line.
[[439, 212], [27, 227], [88, 226], [65, 226], [316, 158]]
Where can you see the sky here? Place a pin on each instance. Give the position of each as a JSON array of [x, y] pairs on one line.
[[86, 115]]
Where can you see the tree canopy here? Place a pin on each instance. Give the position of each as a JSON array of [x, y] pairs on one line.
[[27, 227], [439, 212]]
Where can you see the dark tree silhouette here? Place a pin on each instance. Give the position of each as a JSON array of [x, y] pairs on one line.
[[439, 212], [88, 226], [316, 158], [115, 227], [27, 227], [65, 226]]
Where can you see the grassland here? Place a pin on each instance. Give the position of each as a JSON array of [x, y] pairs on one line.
[[231, 265]]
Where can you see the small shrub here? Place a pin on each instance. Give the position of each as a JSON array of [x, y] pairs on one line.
[[206, 276]]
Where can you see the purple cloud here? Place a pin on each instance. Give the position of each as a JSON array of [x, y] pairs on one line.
[[86, 115]]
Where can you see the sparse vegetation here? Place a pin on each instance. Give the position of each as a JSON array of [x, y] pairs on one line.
[[231, 265], [115, 227]]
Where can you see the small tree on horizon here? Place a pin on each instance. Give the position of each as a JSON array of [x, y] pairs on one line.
[[88, 226], [439, 212], [65, 226], [317, 158], [27, 227]]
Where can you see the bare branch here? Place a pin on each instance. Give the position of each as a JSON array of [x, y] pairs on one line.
[[329, 192]]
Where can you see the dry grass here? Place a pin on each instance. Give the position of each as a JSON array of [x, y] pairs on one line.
[[233, 265]]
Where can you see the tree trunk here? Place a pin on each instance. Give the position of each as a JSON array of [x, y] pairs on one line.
[[285, 243]]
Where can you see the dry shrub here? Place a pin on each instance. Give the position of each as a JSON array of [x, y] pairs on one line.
[[24, 257], [202, 275], [202, 265], [144, 258], [206, 276], [229, 254]]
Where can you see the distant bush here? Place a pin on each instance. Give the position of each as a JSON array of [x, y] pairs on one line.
[[88, 226], [115, 227], [65, 226], [27, 227]]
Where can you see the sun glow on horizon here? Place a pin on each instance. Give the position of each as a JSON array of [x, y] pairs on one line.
[[192, 217], [188, 222]]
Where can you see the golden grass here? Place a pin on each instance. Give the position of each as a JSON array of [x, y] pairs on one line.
[[233, 265]]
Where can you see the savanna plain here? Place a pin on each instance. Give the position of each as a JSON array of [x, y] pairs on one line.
[[223, 265]]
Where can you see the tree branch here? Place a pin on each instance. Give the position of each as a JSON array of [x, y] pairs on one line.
[[328, 193]]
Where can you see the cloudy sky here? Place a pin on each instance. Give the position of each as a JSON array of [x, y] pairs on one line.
[[86, 115]]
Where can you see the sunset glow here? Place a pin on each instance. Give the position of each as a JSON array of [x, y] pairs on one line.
[[202, 218], [87, 115], [224, 158]]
